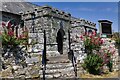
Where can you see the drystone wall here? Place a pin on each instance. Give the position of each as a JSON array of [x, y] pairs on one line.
[[110, 45]]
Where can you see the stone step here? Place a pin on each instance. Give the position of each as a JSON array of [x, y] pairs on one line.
[[64, 55], [61, 66], [52, 71], [58, 66], [59, 70], [49, 71], [58, 76], [60, 61]]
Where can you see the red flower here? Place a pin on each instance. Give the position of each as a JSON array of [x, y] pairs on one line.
[[8, 24], [101, 41], [81, 37], [3, 24], [10, 33], [91, 36]]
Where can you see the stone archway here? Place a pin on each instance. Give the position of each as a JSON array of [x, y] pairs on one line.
[[60, 38]]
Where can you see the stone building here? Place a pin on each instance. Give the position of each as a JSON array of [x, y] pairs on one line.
[[50, 19], [10, 12]]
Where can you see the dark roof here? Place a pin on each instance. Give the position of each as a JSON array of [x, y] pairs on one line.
[[10, 13], [17, 7], [104, 21]]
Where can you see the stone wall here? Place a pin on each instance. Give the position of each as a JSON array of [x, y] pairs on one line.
[[115, 58], [78, 28], [77, 43]]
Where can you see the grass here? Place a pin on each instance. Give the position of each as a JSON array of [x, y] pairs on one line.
[[114, 74]]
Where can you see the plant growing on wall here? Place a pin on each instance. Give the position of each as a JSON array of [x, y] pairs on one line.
[[9, 38], [11, 42], [91, 42], [106, 54], [98, 55]]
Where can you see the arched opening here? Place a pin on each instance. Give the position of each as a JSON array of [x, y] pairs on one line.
[[60, 38]]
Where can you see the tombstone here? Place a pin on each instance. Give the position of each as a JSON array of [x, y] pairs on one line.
[[105, 28]]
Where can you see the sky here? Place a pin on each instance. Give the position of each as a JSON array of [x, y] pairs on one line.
[[91, 11], [71, 0]]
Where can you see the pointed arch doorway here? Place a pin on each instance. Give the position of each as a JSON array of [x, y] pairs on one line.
[[60, 38]]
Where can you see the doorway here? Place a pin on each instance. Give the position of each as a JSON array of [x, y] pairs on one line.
[[60, 39]]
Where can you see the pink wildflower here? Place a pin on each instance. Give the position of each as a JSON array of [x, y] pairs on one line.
[[81, 37], [94, 33]]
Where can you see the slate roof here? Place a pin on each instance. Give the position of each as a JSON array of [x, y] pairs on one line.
[[17, 7]]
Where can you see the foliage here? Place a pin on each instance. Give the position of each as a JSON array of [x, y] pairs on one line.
[[106, 53], [110, 64], [11, 43], [93, 64], [91, 42], [97, 54], [9, 38]]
